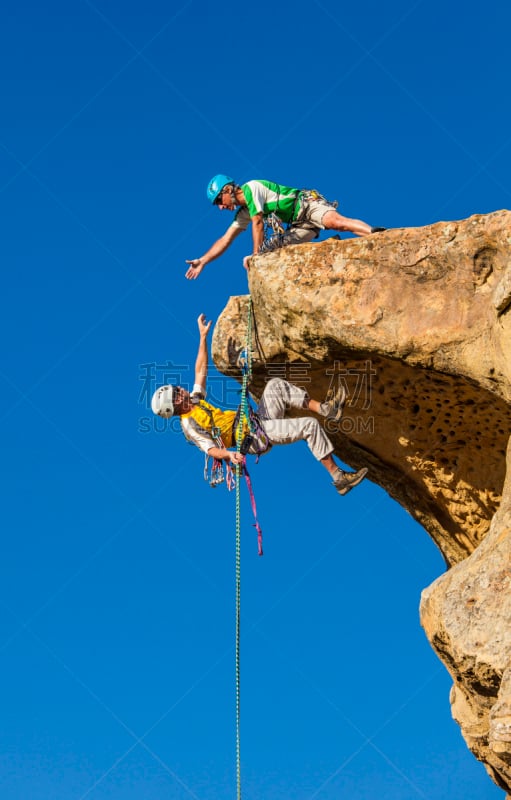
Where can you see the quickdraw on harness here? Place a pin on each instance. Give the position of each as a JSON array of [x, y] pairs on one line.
[[216, 476], [273, 228]]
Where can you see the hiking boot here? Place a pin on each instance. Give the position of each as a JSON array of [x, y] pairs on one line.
[[332, 407], [345, 481], [378, 230]]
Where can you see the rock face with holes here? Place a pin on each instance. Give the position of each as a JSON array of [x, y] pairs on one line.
[[416, 323]]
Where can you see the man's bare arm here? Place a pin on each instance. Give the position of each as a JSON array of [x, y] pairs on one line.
[[257, 233], [226, 455], [201, 362], [257, 237], [216, 250]]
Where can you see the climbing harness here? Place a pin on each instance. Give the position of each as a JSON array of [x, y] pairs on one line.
[[274, 230], [253, 437], [275, 235]]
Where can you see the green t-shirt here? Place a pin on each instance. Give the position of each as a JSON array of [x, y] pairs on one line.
[[267, 197]]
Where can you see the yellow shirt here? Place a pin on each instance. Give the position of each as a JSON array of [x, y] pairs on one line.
[[205, 416]]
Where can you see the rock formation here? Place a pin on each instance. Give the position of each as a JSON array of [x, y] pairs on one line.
[[417, 325]]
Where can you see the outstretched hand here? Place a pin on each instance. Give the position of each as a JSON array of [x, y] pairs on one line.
[[203, 325], [195, 269]]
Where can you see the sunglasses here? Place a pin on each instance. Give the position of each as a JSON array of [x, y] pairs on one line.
[[220, 197]]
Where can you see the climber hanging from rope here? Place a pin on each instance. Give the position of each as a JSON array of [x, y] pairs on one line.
[[269, 206], [213, 430]]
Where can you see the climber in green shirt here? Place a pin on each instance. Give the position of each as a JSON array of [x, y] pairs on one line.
[[304, 211]]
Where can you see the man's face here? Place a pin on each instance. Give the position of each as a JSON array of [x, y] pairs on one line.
[[181, 397], [225, 199]]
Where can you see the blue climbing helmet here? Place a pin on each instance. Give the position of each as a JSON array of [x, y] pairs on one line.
[[216, 185]]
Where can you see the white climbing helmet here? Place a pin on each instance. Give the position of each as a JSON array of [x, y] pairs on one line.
[[162, 402]]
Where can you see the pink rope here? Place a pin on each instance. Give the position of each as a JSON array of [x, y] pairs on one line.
[[254, 508], [230, 478]]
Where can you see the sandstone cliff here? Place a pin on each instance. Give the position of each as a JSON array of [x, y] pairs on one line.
[[417, 325]]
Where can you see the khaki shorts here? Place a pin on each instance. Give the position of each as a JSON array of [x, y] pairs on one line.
[[314, 211]]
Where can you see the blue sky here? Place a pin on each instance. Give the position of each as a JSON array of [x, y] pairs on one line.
[[117, 571]]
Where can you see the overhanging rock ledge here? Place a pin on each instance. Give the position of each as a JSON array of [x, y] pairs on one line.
[[417, 324]]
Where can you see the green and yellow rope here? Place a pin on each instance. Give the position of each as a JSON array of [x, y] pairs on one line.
[[243, 414]]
